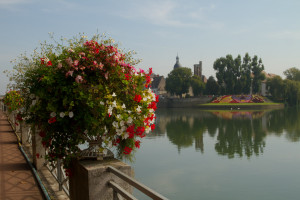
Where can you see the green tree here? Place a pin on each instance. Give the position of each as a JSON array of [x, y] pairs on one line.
[[212, 87], [276, 86], [257, 67], [197, 85], [292, 92], [292, 74], [234, 75], [179, 81]]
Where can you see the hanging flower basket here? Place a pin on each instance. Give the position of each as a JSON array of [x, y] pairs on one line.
[[88, 89]]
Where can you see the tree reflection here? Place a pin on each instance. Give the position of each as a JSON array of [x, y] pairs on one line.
[[239, 133]]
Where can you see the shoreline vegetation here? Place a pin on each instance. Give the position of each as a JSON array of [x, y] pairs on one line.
[[241, 106], [205, 102]]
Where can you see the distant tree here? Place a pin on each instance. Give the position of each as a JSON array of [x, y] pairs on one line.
[[211, 86], [292, 92], [179, 81], [257, 67], [292, 74], [197, 85], [234, 75], [275, 86]]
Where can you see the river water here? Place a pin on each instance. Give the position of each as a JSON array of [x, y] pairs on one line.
[[220, 155]]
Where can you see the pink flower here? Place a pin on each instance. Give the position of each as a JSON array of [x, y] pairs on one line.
[[79, 79], [59, 66], [69, 73], [69, 61], [76, 62]]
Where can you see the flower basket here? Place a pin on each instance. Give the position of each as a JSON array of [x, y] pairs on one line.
[[90, 92]]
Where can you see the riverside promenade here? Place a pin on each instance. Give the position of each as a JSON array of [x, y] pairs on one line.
[[17, 181]]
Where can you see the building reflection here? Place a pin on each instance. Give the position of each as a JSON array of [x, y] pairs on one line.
[[236, 133]]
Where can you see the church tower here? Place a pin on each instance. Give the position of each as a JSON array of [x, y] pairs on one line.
[[177, 64], [198, 69]]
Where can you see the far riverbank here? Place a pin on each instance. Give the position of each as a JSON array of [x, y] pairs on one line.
[[203, 103]]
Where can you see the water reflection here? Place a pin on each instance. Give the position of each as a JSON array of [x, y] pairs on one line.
[[237, 133]]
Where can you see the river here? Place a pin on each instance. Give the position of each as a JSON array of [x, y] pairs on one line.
[[220, 155]]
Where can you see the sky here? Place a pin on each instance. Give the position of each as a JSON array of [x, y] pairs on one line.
[[159, 30]]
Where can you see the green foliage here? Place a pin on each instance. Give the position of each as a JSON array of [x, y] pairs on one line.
[[84, 91], [292, 74], [276, 88], [284, 90], [197, 85], [212, 87], [234, 75], [179, 81], [13, 100]]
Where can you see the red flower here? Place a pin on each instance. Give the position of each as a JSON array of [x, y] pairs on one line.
[[49, 63], [156, 98], [117, 141], [137, 144], [127, 150], [152, 105], [38, 155], [137, 98], [68, 172], [52, 120], [152, 127], [130, 129], [42, 61], [140, 130]]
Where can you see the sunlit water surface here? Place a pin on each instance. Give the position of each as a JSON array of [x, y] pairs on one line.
[[231, 155]]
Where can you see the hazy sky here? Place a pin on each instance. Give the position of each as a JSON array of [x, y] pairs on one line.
[[159, 29]]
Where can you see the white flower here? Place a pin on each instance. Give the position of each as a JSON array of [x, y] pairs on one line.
[[129, 120], [138, 109], [129, 111], [126, 136], [101, 102], [109, 111], [114, 95], [86, 132], [114, 104], [122, 123], [123, 106], [62, 114], [53, 114], [115, 124], [71, 114], [147, 129]]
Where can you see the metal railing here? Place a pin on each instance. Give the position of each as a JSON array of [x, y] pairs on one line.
[[57, 171], [141, 187]]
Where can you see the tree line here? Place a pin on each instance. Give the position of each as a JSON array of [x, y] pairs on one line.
[[286, 90], [236, 76]]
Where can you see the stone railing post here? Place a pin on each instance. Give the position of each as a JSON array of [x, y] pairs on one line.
[[38, 151], [89, 179], [24, 128]]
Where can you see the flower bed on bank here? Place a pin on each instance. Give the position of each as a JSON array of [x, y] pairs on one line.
[[239, 99]]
